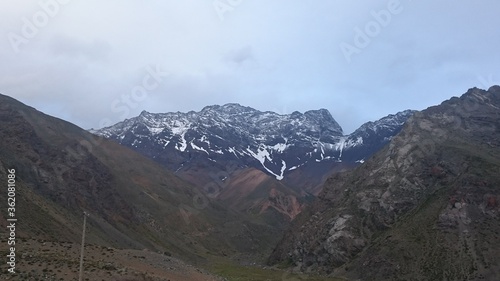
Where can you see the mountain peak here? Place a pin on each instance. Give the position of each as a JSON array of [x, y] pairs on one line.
[[473, 99], [275, 143], [232, 105], [387, 122], [481, 93], [144, 113], [321, 111], [324, 118], [236, 108], [494, 89]]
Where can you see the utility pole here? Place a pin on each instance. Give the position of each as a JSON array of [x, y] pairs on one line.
[[80, 278]]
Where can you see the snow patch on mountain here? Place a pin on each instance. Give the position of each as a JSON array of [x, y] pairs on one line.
[[182, 145], [279, 147], [283, 168], [194, 146]]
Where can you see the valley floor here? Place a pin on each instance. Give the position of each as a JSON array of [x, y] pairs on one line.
[[45, 260]]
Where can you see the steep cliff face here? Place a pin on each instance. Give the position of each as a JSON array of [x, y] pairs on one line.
[[423, 208]]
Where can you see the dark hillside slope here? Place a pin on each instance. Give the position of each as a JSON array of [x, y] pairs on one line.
[[133, 202], [426, 207]]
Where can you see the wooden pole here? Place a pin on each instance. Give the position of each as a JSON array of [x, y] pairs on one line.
[[80, 278]]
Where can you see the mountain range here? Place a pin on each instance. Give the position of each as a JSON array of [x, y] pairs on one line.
[[276, 144], [412, 196], [256, 161]]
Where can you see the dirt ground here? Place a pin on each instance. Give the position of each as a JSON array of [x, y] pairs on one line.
[[44, 260]]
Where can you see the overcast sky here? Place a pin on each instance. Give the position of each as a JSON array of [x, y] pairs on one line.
[[93, 62]]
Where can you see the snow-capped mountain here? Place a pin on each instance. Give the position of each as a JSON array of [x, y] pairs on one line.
[[271, 142], [374, 135]]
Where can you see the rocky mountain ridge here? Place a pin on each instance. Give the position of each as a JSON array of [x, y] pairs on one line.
[[425, 207], [276, 144]]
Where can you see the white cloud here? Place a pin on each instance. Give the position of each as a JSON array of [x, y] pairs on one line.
[[265, 54]]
